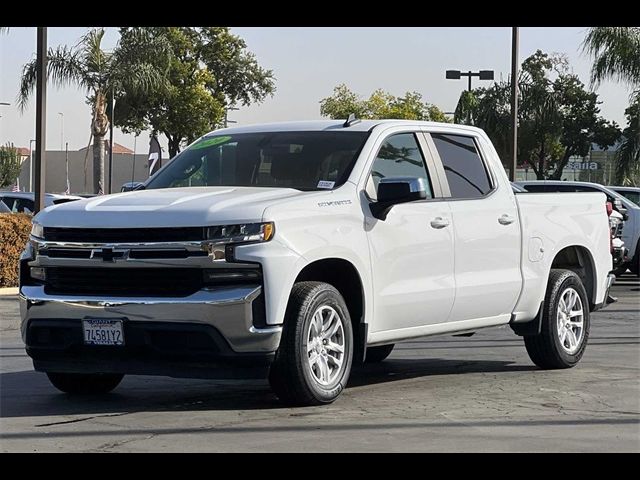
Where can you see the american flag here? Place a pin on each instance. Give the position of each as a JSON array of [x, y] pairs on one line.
[[15, 188]]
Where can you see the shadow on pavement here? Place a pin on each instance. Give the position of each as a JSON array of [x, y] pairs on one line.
[[29, 394], [394, 369]]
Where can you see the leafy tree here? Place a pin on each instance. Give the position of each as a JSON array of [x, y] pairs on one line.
[[381, 104], [100, 72], [628, 154], [9, 165], [557, 119], [209, 70], [616, 53]]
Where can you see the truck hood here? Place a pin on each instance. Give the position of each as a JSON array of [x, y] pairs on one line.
[[176, 207]]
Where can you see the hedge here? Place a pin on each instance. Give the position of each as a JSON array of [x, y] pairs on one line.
[[14, 233]]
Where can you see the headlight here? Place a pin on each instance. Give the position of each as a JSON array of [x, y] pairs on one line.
[[242, 233], [37, 230]]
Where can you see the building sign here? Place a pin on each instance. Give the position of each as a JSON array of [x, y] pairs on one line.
[[583, 165]]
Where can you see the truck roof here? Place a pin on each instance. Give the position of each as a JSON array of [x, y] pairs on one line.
[[338, 125]]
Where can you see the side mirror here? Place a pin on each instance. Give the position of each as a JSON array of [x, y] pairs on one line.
[[129, 186], [396, 190]]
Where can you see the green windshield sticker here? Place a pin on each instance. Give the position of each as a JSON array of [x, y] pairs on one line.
[[210, 142]]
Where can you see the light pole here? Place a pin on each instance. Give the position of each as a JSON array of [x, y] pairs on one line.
[[31, 165], [226, 113], [515, 39], [113, 111], [61, 130], [457, 74], [41, 118]]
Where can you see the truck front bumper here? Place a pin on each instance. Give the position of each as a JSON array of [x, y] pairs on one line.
[[210, 334]]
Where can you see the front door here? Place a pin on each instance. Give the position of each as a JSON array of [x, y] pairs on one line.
[[412, 250]]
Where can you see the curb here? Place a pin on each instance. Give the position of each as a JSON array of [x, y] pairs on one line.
[[8, 291]]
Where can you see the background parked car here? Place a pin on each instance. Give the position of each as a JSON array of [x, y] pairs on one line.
[[631, 211], [630, 193], [24, 202]]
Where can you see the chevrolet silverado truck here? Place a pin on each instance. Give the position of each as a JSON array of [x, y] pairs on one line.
[[293, 251]]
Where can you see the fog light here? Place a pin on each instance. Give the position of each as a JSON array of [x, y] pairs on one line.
[[38, 273], [224, 276]]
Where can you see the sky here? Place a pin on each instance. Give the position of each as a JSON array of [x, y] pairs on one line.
[[308, 62]]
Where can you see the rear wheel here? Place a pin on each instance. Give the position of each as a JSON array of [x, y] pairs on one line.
[[565, 323], [378, 354], [85, 383], [313, 362]]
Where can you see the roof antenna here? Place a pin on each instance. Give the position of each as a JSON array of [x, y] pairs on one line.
[[352, 120]]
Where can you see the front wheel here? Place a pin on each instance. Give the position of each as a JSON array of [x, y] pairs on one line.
[[313, 362], [565, 323], [85, 383]]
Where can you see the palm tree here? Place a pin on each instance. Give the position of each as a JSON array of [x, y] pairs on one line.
[[101, 73], [616, 53]]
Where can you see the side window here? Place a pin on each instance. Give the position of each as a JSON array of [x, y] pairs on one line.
[[465, 170], [9, 202], [399, 156], [534, 188], [25, 205]]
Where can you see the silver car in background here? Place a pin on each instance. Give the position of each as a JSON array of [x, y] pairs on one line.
[[24, 202]]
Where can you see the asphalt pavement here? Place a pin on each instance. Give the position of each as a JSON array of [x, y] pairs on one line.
[[480, 393]]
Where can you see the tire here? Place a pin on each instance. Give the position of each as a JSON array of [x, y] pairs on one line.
[[618, 271], [546, 349], [294, 376], [378, 354], [85, 383]]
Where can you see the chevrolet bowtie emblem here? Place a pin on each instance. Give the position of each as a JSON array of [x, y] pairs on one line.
[[109, 254]]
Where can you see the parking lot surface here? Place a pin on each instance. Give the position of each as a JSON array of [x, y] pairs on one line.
[[438, 394]]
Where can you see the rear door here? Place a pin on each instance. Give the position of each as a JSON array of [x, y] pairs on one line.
[[486, 228]]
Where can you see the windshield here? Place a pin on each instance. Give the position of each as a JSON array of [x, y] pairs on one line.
[[300, 160]]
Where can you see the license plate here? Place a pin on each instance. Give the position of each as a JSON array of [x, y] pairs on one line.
[[103, 332]]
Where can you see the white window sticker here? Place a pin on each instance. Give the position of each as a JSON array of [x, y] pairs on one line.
[[326, 184]]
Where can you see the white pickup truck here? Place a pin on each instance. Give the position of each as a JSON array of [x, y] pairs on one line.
[[295, 250]]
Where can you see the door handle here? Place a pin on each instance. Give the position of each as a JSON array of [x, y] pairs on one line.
[[506, 219], [439, 222]]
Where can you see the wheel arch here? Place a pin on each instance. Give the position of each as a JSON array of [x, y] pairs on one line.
[[578, 259], [343, 275]]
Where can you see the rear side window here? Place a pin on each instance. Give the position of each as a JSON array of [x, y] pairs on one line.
[[535, 188], [465, 170], [24, 205]]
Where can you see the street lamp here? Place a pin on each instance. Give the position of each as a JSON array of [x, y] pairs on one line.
[[482, 75], [61, 130], [4, 104]]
